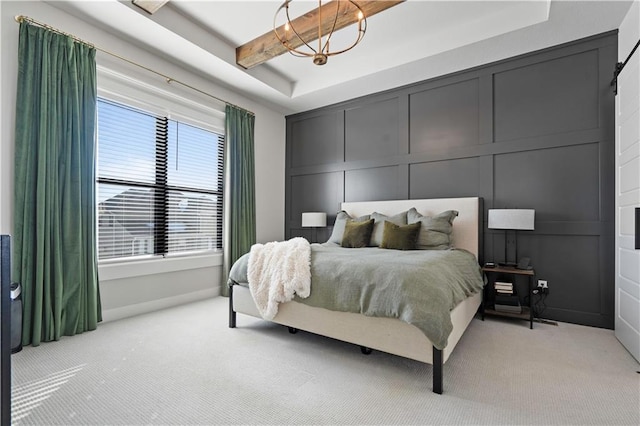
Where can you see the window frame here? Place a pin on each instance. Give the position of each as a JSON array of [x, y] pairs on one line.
[[174, 105]]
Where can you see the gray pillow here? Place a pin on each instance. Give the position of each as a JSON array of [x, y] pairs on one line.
[[338, 226], [435, 231], [378, 228]]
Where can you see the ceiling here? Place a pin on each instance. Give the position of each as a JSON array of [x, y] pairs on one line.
[[410, 42]]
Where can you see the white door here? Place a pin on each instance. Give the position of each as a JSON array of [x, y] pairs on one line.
[[627, 309]]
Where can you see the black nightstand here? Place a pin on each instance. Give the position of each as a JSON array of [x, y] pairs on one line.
[[492, 273]]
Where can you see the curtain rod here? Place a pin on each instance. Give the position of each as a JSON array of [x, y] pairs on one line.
[[169, 80]]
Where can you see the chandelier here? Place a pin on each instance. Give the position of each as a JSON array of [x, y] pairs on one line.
[[295, 39]]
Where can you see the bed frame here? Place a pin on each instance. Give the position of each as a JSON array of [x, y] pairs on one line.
[[385, 334]]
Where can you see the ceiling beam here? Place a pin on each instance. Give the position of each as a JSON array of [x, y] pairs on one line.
[[267, 46], [150, 6]]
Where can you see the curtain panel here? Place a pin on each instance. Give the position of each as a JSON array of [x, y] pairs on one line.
[[239, 188], [54, 207]]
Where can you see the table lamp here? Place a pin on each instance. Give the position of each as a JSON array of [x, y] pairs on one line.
[[511, 220], [314, 220]]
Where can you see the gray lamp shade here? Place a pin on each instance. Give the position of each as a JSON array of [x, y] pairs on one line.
[[519, 219], [314, 220]]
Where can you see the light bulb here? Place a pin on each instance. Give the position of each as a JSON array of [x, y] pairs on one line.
[[360, 15], [286, 26]]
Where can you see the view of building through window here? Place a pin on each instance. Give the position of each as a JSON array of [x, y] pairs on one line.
[[159, 184]]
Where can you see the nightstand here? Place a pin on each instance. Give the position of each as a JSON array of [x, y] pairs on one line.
[[492, 274]]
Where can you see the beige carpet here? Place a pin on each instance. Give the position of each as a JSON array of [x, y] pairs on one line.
[[184, 366]]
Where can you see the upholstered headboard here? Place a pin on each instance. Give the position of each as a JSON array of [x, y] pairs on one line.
[[467, 226]]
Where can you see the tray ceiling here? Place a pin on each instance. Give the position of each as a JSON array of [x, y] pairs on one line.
[[410, 42]]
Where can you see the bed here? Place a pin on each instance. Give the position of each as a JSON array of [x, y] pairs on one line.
[[389, 335]]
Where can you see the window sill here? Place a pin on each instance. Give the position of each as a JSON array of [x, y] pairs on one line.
[[119, 270]]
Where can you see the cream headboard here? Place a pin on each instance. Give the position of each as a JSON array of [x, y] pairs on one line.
[[466, 227]]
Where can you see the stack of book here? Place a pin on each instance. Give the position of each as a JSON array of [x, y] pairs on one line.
[[503, 288], [506, 300]]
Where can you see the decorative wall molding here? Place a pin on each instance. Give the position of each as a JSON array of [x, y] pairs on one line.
[[535, 131]]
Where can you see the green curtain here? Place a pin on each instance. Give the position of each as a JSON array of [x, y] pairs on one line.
[[239, 187], [54, 206]]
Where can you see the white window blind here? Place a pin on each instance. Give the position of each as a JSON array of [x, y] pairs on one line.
[[159, 184]]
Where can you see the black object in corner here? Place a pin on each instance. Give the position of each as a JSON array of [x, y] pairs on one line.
[[16, 317], [637, 228], [619, 67], [5, 330], [524, 263]]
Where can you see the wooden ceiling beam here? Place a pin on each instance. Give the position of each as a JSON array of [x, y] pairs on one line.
[[150, 6], [267, 46]]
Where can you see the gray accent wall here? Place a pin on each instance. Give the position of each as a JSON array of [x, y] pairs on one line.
[[536, 131]]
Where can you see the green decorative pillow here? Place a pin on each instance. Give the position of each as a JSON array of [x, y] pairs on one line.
[[400, 237], [357, 234], [338, 226], [378, 227], [435, 232]]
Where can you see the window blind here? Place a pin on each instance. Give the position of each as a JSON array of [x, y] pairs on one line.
[[159, 184]]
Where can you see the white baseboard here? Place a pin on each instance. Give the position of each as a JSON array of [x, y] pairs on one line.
[[155, 305]]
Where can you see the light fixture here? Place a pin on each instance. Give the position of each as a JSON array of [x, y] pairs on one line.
[[511, 220], [298, 41], [314, 220]]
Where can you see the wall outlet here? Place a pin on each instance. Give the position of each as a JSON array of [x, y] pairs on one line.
[[543, 284]]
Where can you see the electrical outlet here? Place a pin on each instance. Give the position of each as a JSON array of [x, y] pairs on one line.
[[543, 284]]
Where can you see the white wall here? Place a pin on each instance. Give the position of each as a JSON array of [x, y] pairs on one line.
[[627, 308], [130, 289]]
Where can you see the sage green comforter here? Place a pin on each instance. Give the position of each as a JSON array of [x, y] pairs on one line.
[[420, 287]]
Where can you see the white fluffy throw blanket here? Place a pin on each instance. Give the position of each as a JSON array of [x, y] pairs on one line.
[[276, 271]]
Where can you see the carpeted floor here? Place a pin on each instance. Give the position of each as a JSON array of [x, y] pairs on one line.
[[184, 366]]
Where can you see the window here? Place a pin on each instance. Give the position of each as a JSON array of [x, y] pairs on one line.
[[159, 184]]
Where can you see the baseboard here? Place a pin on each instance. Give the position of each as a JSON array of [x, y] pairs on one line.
[[155, 305]]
